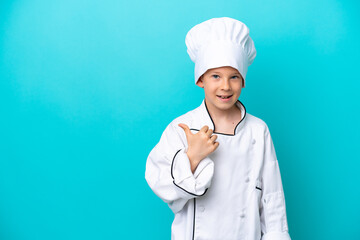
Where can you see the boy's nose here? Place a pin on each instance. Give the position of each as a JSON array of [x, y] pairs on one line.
[[225, 85]]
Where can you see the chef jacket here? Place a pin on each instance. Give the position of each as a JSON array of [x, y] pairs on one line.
[[235, 192]]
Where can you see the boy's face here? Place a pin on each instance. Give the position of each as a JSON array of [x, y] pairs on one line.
[[222, 87]]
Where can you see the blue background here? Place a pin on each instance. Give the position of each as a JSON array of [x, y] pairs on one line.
[[87, 87]]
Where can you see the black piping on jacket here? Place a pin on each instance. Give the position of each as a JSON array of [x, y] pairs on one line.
[[193, 236], [214, 123], [172, 175]]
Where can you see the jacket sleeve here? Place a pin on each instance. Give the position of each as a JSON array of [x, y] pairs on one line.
[[168, 170], [273, 218]]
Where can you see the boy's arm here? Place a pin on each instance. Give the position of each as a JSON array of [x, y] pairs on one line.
[[169, 174], [274, 224]]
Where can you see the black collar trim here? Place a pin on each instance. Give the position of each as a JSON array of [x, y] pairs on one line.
[[214, 123]]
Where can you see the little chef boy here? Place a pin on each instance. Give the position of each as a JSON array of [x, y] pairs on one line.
[[215, 166]]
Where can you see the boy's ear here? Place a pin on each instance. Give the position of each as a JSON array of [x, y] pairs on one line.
[[200, 82]]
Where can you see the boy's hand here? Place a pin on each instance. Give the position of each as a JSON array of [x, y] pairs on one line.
[[200, 144]]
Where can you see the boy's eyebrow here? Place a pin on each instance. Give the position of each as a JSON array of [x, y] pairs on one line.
[[230, 74]]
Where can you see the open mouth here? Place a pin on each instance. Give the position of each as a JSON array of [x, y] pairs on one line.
[[224, 96]]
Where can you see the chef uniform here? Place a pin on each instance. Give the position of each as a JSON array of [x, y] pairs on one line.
[[236, 191]]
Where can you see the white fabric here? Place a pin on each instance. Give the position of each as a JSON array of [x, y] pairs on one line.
[[235, 193], [220, 42]]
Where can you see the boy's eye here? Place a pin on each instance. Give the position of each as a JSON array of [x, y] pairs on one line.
[[235, 76], [215, 76]]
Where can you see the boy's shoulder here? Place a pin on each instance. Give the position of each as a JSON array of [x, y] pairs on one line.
[[189, 118], [255, 121]]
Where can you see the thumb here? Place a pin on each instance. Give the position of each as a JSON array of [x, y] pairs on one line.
[[186, 128]]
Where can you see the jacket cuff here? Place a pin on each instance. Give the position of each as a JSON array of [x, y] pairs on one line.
[[276, 236], [195, 184]]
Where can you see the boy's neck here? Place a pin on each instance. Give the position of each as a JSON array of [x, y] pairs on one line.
[[223, 115]]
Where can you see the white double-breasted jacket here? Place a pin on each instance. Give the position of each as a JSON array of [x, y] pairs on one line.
[[235, 192]]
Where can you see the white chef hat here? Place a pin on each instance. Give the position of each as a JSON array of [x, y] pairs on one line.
[[220, 42]]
